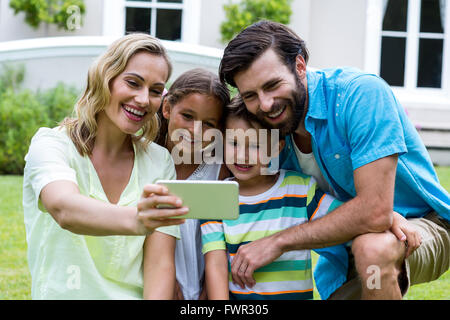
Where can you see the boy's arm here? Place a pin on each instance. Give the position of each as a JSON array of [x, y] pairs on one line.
[[159, 266], [216, 275]]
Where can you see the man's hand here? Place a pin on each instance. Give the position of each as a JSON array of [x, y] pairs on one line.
[[252, 256], [404, 231]]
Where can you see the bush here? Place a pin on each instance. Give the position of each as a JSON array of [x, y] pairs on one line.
[[22, 113], [59, 102], [11, 76], [247, 12]]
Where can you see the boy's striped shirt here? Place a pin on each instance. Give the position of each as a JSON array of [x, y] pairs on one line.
[[294, 199]]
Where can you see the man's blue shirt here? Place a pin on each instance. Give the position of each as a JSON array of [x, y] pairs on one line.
[[354, 119]]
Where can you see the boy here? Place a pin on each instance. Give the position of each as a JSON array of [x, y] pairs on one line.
[[267, 204]]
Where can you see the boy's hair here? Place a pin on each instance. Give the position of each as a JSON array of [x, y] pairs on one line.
[[236, 108], [82, 128], [256, 39], [197, 80]]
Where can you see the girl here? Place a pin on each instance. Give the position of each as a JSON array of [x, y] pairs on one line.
[[83, 180], [194, 104]]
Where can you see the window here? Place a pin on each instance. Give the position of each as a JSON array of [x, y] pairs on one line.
[[160, 18], [176, 20], [410, 49]]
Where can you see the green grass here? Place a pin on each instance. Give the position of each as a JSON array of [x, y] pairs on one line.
[[15, 280]]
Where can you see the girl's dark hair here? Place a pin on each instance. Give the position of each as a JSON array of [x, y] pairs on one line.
[[253, 41], [193, 81]]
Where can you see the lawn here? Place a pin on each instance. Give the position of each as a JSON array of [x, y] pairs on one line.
[[15, 280]]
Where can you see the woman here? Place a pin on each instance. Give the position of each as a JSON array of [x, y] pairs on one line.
[[83, 181]]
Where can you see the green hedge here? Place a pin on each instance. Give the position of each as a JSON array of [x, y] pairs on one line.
[[245, 12], [22, 113]]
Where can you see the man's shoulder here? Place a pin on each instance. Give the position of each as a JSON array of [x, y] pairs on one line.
[[343, 76]]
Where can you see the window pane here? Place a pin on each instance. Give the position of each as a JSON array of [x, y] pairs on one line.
[[430, 63], [395, 16], [392, 68], [168, 24], [138, 20], [430, 16], [171, 1]]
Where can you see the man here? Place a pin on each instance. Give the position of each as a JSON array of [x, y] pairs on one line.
[[346, 129]]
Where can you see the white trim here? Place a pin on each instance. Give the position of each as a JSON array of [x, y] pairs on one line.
[[374, 23], [446, 53], [114, 17], [74, 46], [412, 44], [190, 27], [53, 47], [153, 21], [153, 4], [374, 35]]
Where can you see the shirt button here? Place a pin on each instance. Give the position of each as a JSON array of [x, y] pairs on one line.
[[337, 156], [337, 105]]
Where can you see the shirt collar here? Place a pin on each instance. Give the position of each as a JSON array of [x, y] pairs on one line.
[[316, 96]]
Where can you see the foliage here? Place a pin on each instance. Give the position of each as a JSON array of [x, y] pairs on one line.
[[247, 12], [22, 112], [58, 102], [20, 115], [58, 12], [11, 76]]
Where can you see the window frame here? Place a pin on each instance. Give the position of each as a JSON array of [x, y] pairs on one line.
[[374, 33], [114, 17]]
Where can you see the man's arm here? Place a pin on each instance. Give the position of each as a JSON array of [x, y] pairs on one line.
[[370, 211]]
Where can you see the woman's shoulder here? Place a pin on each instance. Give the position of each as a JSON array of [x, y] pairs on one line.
[[47, 135], [155, 152]]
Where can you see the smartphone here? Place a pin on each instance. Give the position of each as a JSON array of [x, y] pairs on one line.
[[209, 200]]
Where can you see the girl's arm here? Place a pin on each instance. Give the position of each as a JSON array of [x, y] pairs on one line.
[[83, 215], [159, 266], [216, 275]]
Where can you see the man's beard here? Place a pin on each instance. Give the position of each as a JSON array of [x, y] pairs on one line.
[[296, 104]]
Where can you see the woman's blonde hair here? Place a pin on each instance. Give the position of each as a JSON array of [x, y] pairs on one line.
[[82, 128]]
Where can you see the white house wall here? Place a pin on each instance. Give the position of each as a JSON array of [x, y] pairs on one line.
[[337, 33]]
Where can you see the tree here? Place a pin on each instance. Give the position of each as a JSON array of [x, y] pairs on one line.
[[65, 14], [246, 12]]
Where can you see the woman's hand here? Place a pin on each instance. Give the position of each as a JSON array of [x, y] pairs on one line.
[[149, 213], [405, 231]]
